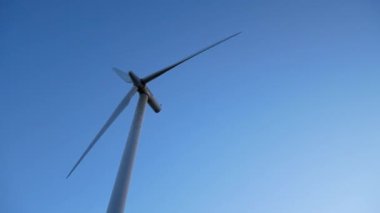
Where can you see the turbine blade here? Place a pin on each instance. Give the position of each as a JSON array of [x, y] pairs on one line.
[[164, 70], [114, 115], [123, 75]]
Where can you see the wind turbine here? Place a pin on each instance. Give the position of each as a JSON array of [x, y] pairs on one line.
[[120, 188]]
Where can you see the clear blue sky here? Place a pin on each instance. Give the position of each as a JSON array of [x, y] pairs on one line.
[[283, 118]]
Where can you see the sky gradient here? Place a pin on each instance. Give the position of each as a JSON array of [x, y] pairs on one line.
[[283, 118]]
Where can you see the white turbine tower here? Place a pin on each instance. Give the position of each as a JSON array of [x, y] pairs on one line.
[[120, 188]]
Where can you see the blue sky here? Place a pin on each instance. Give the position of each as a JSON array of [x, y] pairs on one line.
[[283, 118]]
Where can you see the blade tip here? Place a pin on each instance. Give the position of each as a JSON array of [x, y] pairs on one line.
[[115, 69], [67, 176]]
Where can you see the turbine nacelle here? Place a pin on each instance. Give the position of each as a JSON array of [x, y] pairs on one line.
[[142, 88], [137, 82]]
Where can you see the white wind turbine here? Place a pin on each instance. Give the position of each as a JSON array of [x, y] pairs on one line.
[[120, 188]]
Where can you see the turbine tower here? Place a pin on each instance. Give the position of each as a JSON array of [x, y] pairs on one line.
[[120, 188]]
